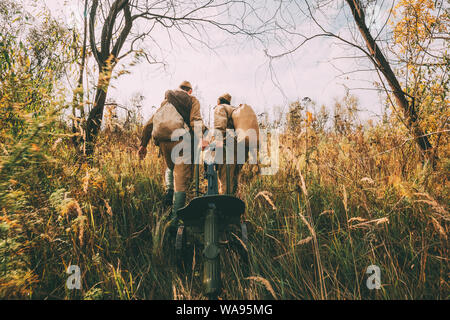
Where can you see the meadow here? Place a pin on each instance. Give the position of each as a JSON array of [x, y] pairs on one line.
[[351, 196], [338, 204]]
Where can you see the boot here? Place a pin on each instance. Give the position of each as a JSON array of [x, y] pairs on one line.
[[168, 198], [179, 199]]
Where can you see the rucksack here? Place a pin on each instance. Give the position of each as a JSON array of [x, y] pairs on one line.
[[245, 123], [173, 114]]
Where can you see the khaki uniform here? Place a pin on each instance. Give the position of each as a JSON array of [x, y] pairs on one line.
[[177, 105], [182, 172], [223, 121]]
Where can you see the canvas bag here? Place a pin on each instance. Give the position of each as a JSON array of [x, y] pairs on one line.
[[244, 119], [172, 115], [165, 121]]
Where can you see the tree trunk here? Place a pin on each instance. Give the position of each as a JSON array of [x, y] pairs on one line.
[[383, 65], [106, 60], [94, 120]]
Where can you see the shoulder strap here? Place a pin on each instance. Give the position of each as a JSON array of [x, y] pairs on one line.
[[185, 113]]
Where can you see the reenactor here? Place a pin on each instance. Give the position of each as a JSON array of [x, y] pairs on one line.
[[237, 130], [178, 118]]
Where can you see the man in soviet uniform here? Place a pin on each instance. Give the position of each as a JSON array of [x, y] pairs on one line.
[[178, 174], [237, 144], [223, 121]]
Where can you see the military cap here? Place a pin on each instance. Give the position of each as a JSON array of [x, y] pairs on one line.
[[186, 84], [226, 97]]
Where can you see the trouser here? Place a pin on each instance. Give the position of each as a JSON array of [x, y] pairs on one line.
[[182, 172], [229, 173], [230, 186]]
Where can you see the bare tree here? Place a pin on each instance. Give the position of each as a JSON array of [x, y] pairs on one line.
[[107, 57], [190, 19], [369, 43], [379, 60]]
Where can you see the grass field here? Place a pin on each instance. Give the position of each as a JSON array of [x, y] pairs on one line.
[[338, 204]]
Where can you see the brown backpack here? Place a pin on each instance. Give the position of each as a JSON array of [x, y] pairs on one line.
[[173, 114], [244, 119]]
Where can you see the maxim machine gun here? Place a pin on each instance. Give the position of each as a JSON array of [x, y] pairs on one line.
[[211, 214]]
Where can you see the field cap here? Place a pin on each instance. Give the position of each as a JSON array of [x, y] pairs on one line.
[[186, 84], [226, 96]]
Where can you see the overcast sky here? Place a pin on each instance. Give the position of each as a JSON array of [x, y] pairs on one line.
[[240, 68]]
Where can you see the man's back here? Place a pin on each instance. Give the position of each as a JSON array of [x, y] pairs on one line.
[[166, 119], [178, 174]]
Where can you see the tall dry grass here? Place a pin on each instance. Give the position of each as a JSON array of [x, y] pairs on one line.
[[315, 226]]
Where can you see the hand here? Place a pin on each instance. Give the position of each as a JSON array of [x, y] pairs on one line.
[[205, 144], [142, 152]]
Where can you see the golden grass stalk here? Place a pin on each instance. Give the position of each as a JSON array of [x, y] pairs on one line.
[[266, 284], [365, 223], [439, 228], [438, 208], [266, 195], [305, 241]]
